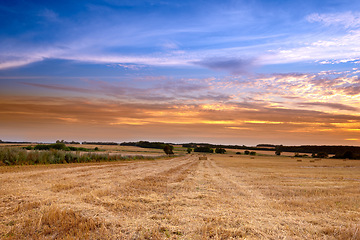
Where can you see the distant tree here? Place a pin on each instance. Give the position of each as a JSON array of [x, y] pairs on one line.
[[220, 150], [168, 149], [348, 154], [189, 145], [252, 153], [239, 153], [204, 149], [246, 152], [278, 152], [57, 146], [189, 150], [101, 143]]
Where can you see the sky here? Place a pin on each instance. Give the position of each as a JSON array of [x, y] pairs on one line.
[[226, 72]]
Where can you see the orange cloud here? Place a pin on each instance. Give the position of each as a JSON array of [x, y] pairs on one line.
[[85, 119], [304, 108]]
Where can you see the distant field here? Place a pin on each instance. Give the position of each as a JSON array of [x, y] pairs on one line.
[[126, 150], [262, 152], [225, 196], [133, 150], [130, 150]]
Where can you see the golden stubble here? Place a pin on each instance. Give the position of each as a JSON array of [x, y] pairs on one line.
[[223, 197]]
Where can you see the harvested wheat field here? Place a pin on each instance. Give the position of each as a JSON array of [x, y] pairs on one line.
[[223, 197]]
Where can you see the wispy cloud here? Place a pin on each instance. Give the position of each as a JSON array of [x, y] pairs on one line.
[[170, 45], [228, 37], [339, 49], [59, 87], [337, 106], [5, 64], [24, 55], [158, 90], [217, 120], [346, 19], [328, 47], [130, 66], [49, 15], [235, 66], [327, 92]]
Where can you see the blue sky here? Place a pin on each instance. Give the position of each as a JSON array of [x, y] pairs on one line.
[[195, 63]]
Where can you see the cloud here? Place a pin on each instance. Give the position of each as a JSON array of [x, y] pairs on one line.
[[338, 49], [59, 87], [170, 45], [331, 46], [353, 89], [78, 117], [14, 54], [217, 97], [49, 15], [131, 66], [167, 90], [158, 89], [151, 60], [235, 66], [327, 91], [346, 19], [337, 106], [6, 64], [219, 40], [100, 111]]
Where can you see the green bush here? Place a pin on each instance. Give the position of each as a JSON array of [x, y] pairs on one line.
[[57, 146], [168, 149], [60, 146], [220, 150], [204, 149]]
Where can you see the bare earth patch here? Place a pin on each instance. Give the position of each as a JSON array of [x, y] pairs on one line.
[[222, 197]]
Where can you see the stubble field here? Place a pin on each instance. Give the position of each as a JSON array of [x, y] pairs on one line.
[[223, 197]]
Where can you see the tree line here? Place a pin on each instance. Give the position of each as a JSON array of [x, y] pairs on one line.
[[341, 152]]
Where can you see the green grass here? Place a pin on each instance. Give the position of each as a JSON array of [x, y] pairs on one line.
[[19, 156]]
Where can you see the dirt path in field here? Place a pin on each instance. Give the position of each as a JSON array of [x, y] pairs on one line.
[[181, 198]]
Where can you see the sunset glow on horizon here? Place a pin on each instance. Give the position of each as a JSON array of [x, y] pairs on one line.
[[226, 72]]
